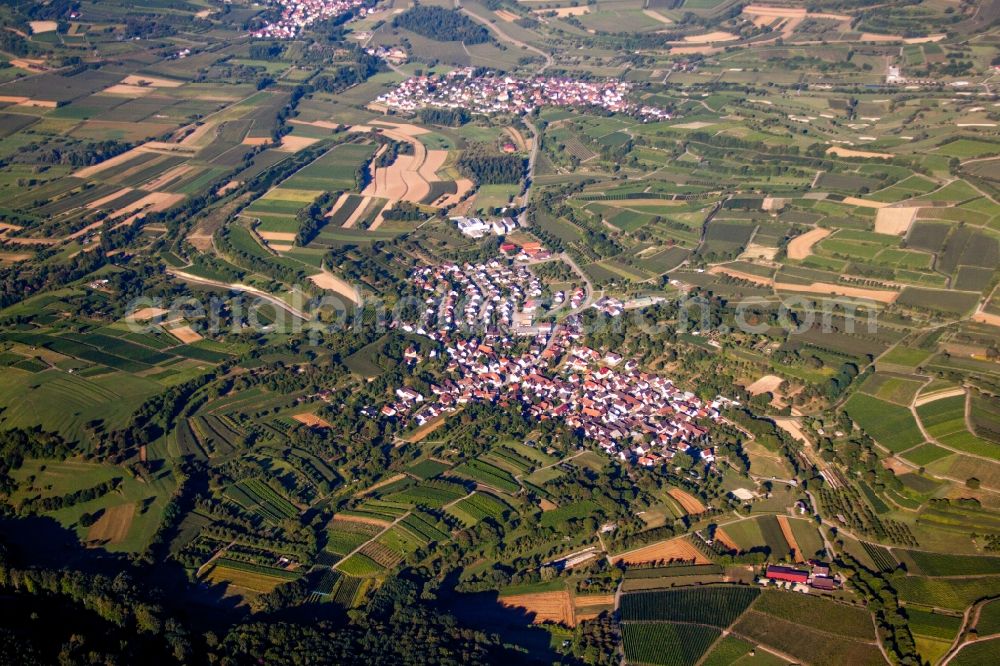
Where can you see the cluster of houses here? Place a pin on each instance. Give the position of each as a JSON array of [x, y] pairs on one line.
[[632, 415], [812, 575], [475, 227], [391, 54], [299, 14], [497, 93]]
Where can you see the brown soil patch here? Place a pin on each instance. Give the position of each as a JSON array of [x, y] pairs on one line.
[[676, 549], [879, 295], [434, 161], [145, 314], [326, 280], [726, 540], [755, 251], [276, 235], [503, 14], [10, 99], [14, 257], [32, 241], [864, 203], [380, 218], [256, 140], [801, 246], [695, 50], [896, 465], [544, 606], [894, 221], [986, 318], [547, 505], [151, 81], [127, 91], [710, 37], [312, 420], [766, 384], [113, 525], [690, 503], [293, 144], [230, 186], [786, 531], [848, 152], [153, 202], [185, 334], [792, 427], [38, 27], [278, 247]]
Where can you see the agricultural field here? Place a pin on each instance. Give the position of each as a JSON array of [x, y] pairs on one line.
[[736, 305]]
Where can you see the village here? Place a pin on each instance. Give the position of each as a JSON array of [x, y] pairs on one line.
[[482, 314], [300, 14], [489, 93]]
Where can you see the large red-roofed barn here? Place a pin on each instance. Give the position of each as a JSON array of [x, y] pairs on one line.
[[775, 572]]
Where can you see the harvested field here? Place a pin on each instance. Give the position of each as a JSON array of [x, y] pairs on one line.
[[153, 202], [293, 144], [695, 50], [786, 531], [256, 141], [277, 247], [894, 221], [676, 549], [113, 525], [801, 246], [145, 314], [711, 37], [879, 295], [280, 236], [848, 152], [544, 606], [435, 160], [185, 334], [506, 15], [152, 81], [690, 503], [726, 540], [986, 318], [766, 384], [547, 505], [864, 203], [311, 420], [38, 27], [127, 91], [327, 280], [792, 427]]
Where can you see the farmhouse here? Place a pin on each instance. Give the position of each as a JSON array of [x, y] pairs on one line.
[[788, 574]]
